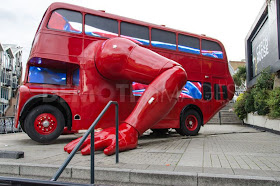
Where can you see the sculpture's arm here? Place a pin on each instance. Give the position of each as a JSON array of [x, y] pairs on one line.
[[120, 59]]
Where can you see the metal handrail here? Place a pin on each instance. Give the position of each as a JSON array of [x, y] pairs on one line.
[[91, 131]]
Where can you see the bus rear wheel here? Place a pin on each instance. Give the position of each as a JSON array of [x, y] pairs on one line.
[[191, 122], [44, 123]]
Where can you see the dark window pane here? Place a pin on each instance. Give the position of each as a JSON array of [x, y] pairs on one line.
[[217, 92], [138, 33], [188, 44], [100, 26], [207, 95], [211, 49], [46, 76], [66, 20], [225, 93], [163, 39], [76, 77]]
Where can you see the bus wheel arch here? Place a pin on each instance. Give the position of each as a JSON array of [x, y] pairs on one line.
[[47, 99], [191, 119]]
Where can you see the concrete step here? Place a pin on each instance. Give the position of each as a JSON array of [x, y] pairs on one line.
[[136, 177], [217, 122], [227, 117], [228, 114], [228, 106]]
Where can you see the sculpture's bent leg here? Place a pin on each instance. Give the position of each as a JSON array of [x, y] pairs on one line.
[[120, 59]]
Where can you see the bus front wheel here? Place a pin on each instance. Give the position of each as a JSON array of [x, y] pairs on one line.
[[44, 123], [190, 123]]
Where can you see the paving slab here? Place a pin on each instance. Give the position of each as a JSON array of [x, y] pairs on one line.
[[236, 152]]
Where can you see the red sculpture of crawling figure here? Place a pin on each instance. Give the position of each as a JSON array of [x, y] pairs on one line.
[[120, 59]]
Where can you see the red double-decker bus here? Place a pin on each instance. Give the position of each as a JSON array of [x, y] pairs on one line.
[[63, 88]]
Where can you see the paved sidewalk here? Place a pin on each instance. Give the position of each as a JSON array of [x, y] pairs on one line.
[[227, 152]]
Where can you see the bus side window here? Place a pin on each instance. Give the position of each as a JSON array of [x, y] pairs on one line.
[[137, 33], [163, 39], [188, 44], [225, 93], [46, 76], [207, 95], [66, 20], [100, 26], [211, 49], [217, 92], [76, 77]]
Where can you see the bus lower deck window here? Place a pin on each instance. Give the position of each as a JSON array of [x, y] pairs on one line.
[[225, 93], [217, 92], [207, 94], [76, 77], [46, 76]]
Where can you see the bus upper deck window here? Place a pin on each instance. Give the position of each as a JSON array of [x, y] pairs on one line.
[[211, 49], [46, 76], [66, 20], [188, 44], [163, 39], [100, 26], [138, 33]]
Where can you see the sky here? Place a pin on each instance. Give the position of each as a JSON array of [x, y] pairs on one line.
[[226, 20]]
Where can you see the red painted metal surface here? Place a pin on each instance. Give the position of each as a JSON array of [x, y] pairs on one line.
[[191, 122], [107, 70], [45, 123]]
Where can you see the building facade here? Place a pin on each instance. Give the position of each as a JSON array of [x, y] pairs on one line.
[[234, 65], [10, 76], [263, 43]]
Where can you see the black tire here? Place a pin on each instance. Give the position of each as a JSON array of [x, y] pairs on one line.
[[44, 123], [191, 122], [22, 128], [180, 131]]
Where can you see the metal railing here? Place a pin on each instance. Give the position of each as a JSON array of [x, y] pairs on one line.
[[91, 131], [220, 118], [7, 125]]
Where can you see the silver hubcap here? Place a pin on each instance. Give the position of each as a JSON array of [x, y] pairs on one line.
[[46, 123]]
